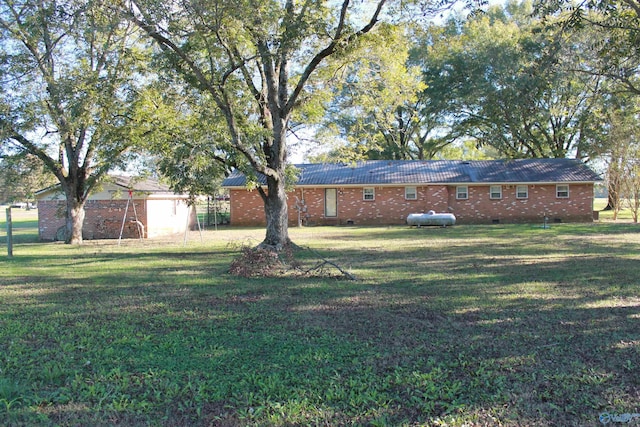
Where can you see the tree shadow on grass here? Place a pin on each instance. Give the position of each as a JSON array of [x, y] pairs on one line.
[[527, 336], [509, 230]]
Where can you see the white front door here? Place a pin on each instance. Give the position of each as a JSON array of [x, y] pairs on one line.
[[330, 202]]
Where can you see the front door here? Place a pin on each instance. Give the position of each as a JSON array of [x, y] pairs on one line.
[[330, 202]]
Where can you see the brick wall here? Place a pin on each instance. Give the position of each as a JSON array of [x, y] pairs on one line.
[[390, 206], [50, 218], [103, 219], [541, 202], [246, 208]]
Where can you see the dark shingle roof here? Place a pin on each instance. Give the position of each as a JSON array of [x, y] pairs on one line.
[[385, 172]]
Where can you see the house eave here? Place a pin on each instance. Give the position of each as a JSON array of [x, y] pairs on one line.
[[379, 173], [425, 184]]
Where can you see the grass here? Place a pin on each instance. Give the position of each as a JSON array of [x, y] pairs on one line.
[[624, 215], [24, 225], [469, 325]]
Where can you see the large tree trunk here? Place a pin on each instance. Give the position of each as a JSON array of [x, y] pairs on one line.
[[275, 201], [277, 215], [614, 189], [74, 221], [610, 203], [74, 194]]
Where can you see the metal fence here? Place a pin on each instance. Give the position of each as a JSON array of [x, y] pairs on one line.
[[213, 211]]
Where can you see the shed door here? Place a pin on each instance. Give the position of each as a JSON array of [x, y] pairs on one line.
[[330, 202]]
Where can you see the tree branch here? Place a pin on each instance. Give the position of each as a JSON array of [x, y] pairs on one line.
[[167, 45], [634, 5], [331, 48], [30, 147]]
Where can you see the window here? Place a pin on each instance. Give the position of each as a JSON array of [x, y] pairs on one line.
[[368, 193], [410, 193], [522, 192], [330, 202], [562, 191], [462, 192], [495, 192]]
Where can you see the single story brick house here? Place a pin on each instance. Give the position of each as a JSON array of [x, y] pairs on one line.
[[382, 192], [158, 211]]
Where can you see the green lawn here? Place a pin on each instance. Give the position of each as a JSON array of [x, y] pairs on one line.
[[24, 229], [624, 215], [468, 325]]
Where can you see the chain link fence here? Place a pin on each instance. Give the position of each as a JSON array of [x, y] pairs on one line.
[[213, 211]]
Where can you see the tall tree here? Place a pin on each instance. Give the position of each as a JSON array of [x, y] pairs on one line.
[[619, 151], [375, 106], [614, 52], [68, 87], [498, 76], [610, 52], [254, 61]]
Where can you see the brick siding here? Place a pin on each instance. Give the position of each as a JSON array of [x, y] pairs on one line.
[[103, 219], [390, 206]]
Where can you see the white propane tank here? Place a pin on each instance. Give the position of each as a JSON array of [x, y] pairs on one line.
[[431, 218]]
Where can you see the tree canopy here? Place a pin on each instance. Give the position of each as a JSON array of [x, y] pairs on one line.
[[375, 109], [253, 62], [614, 51], [21, 176], [504, 79], [69, 84], [498, 78]]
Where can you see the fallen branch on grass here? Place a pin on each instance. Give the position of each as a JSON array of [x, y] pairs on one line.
[[325, 262], [262, 262], [331, 263]]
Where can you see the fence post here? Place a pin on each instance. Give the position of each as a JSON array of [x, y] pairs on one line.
[[9, 234], [208, 211]]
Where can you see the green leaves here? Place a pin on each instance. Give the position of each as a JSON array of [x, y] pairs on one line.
[[509, 82], [615, 30], [375, 106], [71, 75]]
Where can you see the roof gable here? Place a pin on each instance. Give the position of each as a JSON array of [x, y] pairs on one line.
[[120, 183], [137, 184], [404, 172]]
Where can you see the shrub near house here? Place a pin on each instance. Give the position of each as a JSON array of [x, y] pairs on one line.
[[383, 192]]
